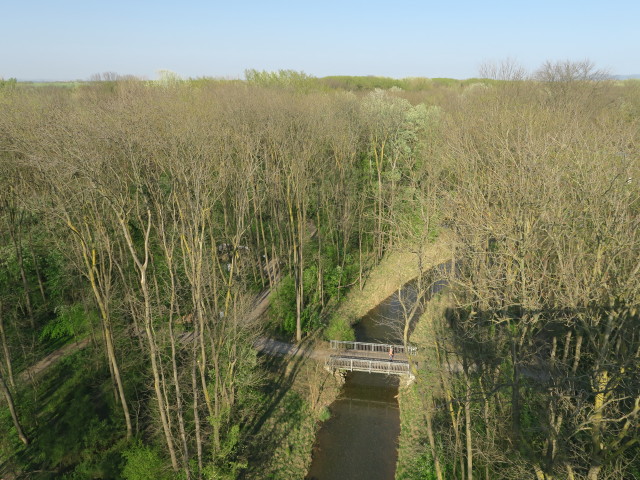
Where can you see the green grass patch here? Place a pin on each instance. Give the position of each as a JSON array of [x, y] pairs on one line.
[[72, 422], [339, 328]]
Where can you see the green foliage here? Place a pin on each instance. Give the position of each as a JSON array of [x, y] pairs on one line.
[[324, 415], [106, 462], [8, 84], [283, 302], [410, 84], [9, 441], [283, 305], [72, 422], [339, 328], [70, 321], [168, 78], [57, 275], [421, 469], [362, 83], [226, 465], [144, 462], [287, 79], [285, 442]]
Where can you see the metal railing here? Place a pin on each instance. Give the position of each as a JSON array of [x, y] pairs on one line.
[[372, 347], [368, 365]]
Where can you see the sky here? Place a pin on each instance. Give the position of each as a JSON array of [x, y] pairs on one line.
[[74, 39]]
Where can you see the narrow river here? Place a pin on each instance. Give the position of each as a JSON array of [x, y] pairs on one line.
[[359, 441]]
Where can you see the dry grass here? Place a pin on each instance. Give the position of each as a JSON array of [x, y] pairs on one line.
[[396, 269]]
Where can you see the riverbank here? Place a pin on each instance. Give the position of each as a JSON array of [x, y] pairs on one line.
[[302, 390], [396, 269], [415, 447], [295, 397]]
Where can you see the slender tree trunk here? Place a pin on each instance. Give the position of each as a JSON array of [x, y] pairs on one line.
[[360, 282], [515, 394], [174, 365], [118, 378], [576, 356], [13, 231], [37, 268], [294, 230], [5, 350], [300, 304], [196, 411], [432, 441], [467, 423], [153, 353], [379, 159], [594, 472], [98, 275], [12, 410]]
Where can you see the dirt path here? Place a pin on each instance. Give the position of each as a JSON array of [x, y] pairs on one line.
[[52, 358], [270, 346], [394, 271]]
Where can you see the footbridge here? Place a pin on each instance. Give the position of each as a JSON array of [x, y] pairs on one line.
[[370, 358]]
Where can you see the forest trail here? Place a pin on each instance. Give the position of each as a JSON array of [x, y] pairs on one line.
[[270, 346], [361, 301], [53, 358], [261, 303]]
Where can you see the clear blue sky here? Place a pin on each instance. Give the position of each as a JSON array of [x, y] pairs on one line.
[[72, 39]]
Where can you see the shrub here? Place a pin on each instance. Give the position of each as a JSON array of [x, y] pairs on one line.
[[144, 462], [339, 328]]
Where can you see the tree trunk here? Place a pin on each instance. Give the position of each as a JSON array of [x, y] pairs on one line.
[[37, 268], [153, 353], [118, 378], [432, 442], [5, 350], [23, 274], [467, 423], [99, 278], [515, 394], [12, 409], [196, 413]]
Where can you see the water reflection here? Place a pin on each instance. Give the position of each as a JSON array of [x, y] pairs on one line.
[[359, 441]]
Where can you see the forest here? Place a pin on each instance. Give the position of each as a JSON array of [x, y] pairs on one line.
[[141, 221]]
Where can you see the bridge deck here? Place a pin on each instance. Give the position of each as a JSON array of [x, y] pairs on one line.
[[400, 357], [354, 363], [372, 348]]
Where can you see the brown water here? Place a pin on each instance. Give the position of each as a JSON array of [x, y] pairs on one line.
[[360, 439]]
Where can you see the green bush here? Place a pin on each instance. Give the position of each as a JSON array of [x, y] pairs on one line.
[[339, 328], [144, 462], [283, 305], [70, 321], [324, 415]]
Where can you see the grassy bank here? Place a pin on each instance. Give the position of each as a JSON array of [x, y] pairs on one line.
[[414, 451], [394, 270], [72, 421], [294, 402]]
